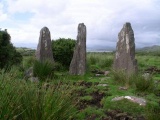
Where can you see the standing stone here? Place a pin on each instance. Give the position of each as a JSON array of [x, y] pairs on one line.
[[78, 63], [44, 48], [125, 51]]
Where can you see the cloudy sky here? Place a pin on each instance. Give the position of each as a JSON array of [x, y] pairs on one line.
[[103, 18]]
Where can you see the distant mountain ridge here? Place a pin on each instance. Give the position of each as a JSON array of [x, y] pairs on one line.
[[153, 48]]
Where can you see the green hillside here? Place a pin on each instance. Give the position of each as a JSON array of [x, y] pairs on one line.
[[153, 48]]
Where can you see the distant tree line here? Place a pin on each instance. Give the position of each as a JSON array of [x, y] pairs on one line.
[[8, 54]]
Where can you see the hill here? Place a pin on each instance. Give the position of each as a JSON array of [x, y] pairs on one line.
[[154, 48]]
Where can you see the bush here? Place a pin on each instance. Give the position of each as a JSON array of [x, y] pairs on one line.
[[43, 70], [63, 51], [8, 54]]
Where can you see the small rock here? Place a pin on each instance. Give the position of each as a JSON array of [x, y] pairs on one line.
[[146, 76], [118, 98], [46, 86], [28, 73], [103, 79], [123, 88], [106, 73], [104, 85], [34, 79], [121, 115], [97, 75]]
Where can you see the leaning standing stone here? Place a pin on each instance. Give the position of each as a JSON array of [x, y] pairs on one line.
[[125, 51], [44, 48], [78, 63]]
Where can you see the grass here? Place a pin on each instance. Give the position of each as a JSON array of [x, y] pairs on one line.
[[43, 70], [124, 106], [100, 60], [28, 101], [58, 100], [140, 82]]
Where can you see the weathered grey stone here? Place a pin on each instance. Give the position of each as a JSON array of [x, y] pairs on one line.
[[146, 76], [33, 79], [134, 99], [78, 63], [125, 51], [106, 73], [123, 88], [104, 85], [44, 48], [28, 73]]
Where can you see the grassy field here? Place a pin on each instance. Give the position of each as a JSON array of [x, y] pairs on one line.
[[87, 97]]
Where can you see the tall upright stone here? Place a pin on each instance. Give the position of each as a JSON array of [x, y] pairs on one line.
[[78, 63], [125, 51], [44, 48]]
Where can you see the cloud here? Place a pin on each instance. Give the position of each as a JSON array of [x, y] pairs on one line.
[[3, 16], [103, 18]]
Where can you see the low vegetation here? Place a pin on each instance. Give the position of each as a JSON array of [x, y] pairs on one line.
[[21, 100], [60, 96], [63, 51], [43, 70]]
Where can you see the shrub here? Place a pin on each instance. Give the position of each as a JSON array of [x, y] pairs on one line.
[[63, 50], [8, 54], [43, 70]]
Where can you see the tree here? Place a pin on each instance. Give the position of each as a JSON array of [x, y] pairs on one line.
[[8, 54], [63, 50]]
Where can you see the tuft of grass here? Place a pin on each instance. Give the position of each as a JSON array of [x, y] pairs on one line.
[[152, 111], [86, 98], [140, 82], [107, 63], [120, 77], [43, 70], [87, 114], [93, 59], [143, 84], [28, 101], [28, 61]]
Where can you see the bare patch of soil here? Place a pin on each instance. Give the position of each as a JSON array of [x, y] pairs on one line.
[[152, 69]]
